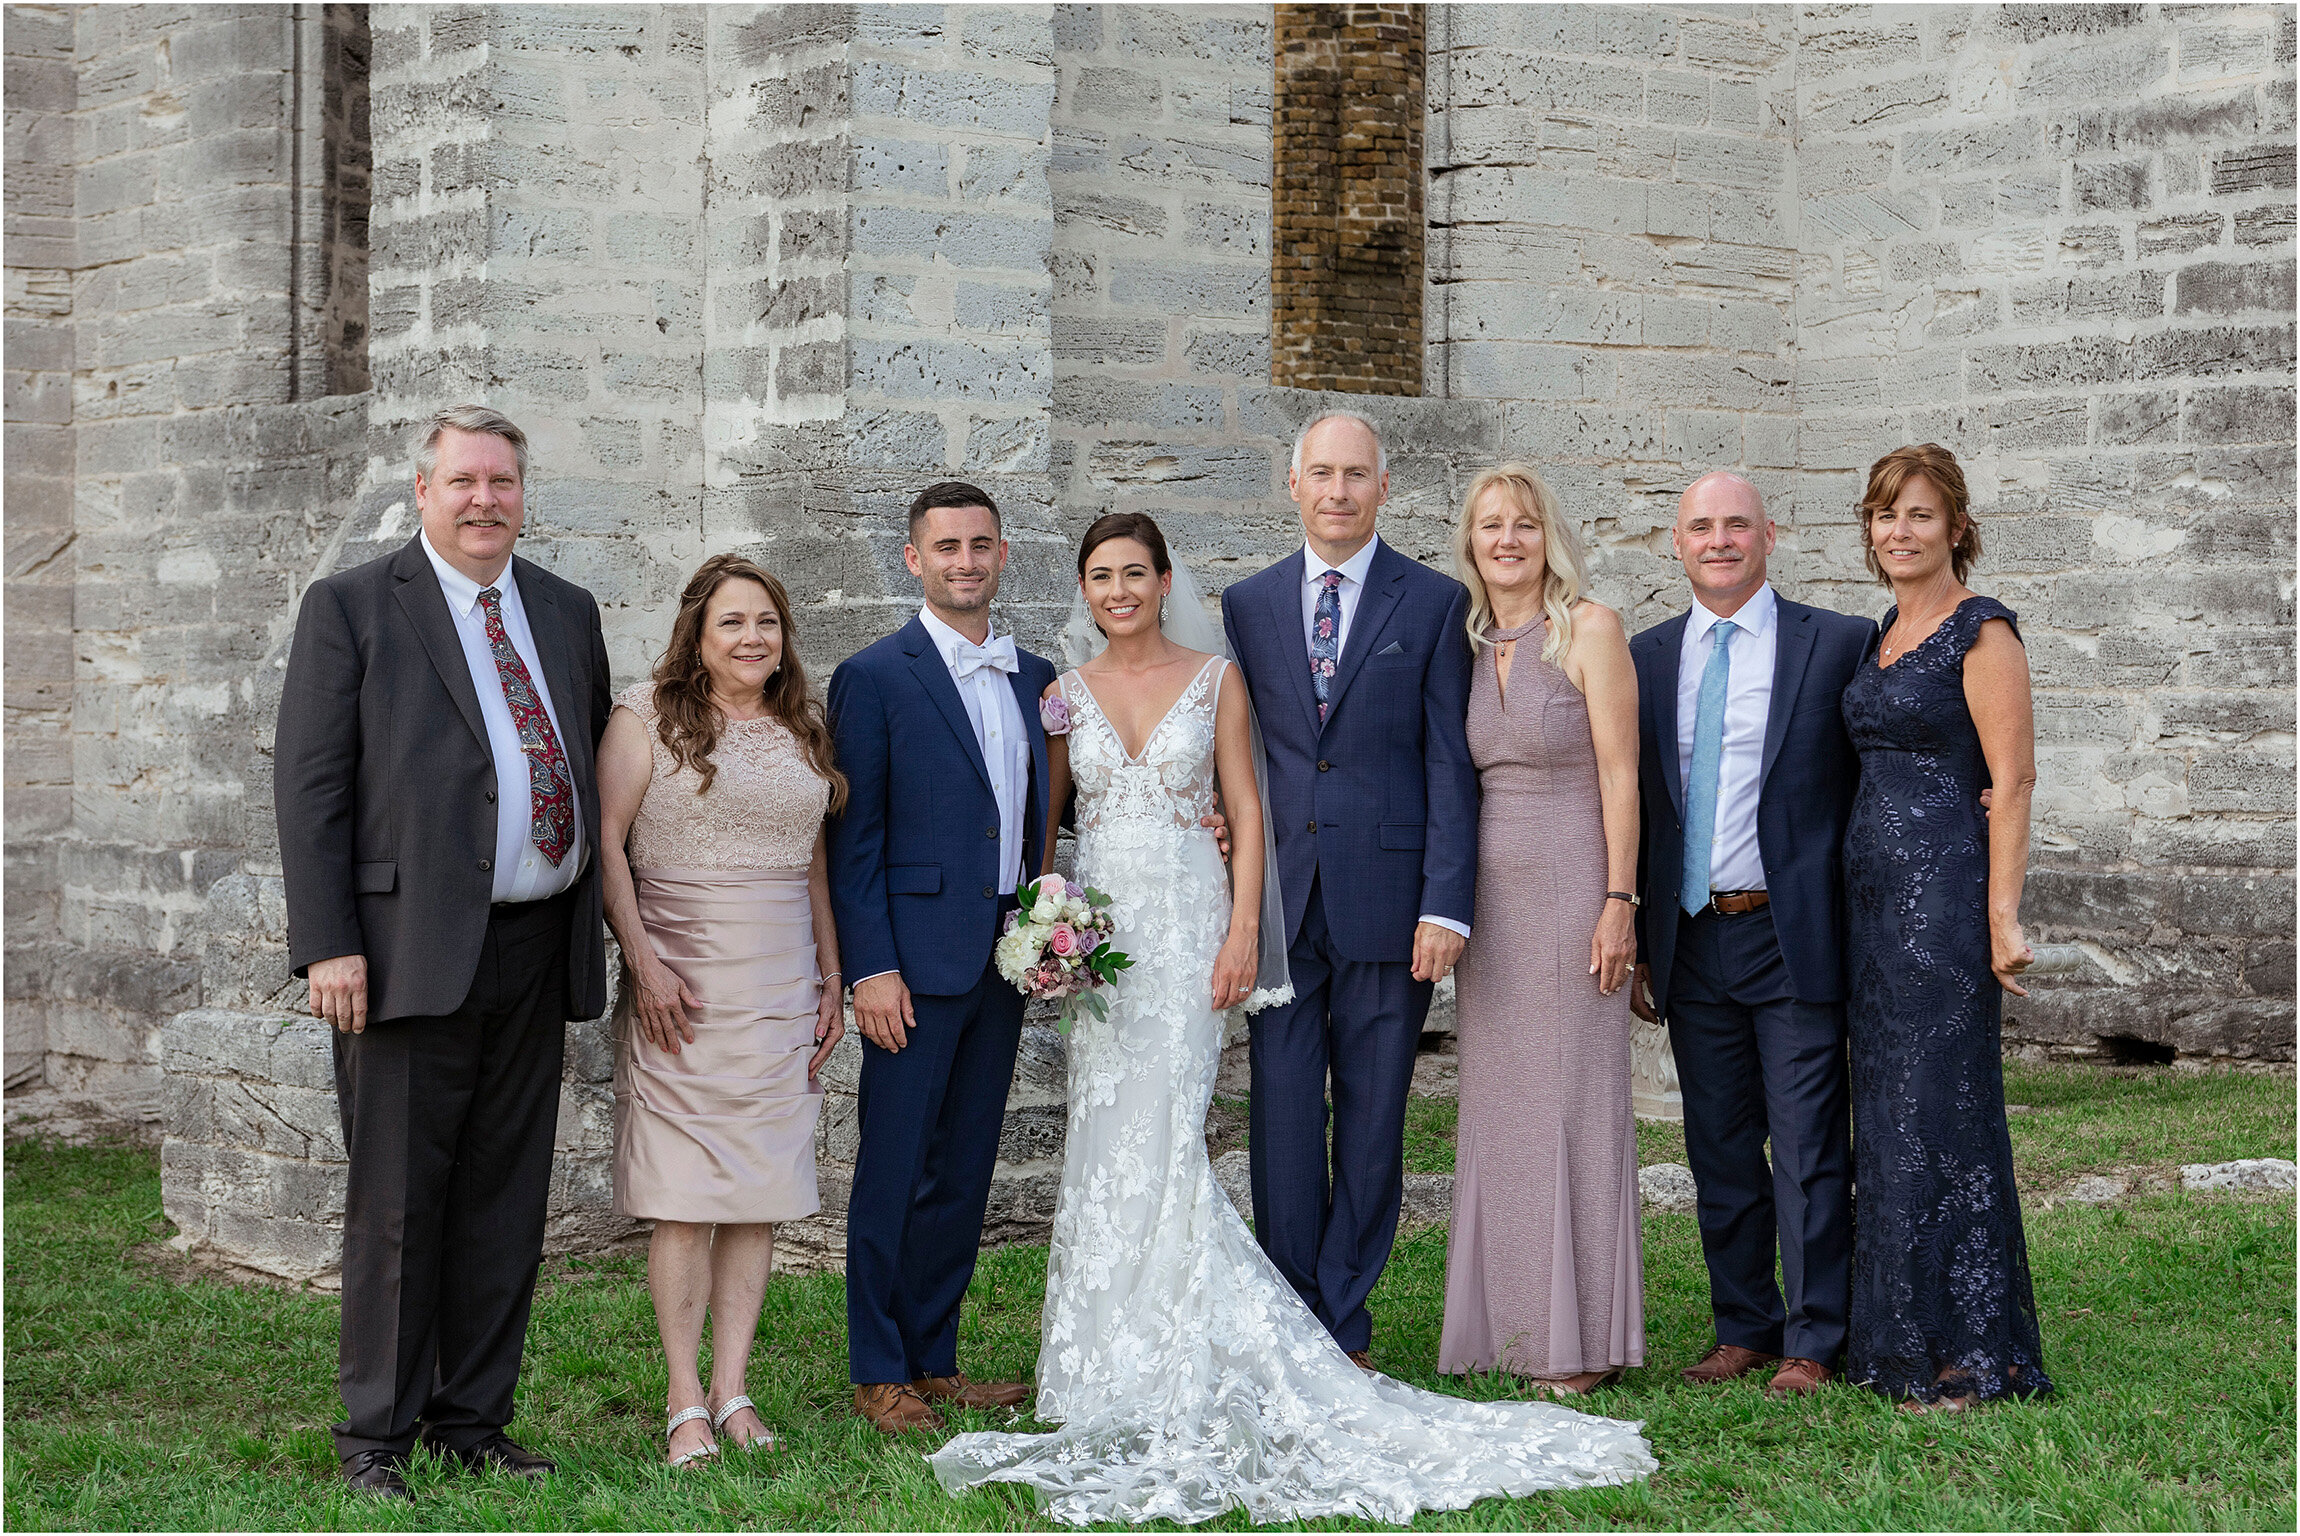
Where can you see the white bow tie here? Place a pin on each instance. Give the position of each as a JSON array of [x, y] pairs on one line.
[[998, 655]]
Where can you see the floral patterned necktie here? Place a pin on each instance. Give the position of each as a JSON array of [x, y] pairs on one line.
[[550, 788], [1325, 638]]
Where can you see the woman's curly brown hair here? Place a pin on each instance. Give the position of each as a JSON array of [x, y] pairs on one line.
[[689, 722]]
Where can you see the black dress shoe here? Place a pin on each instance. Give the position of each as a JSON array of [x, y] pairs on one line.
[[502, 1453], [377, 1473]]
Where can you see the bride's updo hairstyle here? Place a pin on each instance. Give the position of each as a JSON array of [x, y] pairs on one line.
[[1138, 526], [689, 722]]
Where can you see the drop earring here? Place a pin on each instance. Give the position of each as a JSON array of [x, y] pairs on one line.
[[1161, 613]]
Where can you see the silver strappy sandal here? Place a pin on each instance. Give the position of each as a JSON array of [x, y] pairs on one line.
[[688, 1416], [764, 1441]]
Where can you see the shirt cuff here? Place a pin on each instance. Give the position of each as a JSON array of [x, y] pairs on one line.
[[873, 976], [1447, 923]]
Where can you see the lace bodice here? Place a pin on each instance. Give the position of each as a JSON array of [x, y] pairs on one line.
[[762, 812], [1171, 784]]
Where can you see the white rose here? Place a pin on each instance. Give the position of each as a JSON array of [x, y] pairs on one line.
[[1047, 912]]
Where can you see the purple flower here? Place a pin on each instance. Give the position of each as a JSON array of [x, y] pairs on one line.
[[1054, 714]]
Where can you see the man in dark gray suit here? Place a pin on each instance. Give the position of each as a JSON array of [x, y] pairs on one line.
[[438, 812]]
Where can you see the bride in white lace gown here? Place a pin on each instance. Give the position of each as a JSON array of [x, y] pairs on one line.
[[1186, 1374]]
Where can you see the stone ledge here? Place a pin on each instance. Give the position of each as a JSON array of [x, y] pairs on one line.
[[252, 1161]]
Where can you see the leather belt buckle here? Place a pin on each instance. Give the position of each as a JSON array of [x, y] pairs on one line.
[[1735, 903]]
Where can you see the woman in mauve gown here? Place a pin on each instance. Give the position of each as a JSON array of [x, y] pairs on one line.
[[1545, 1265], [1943, 1315], [720, 771]]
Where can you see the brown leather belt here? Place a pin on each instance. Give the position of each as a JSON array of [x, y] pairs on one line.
[[1734, 903]]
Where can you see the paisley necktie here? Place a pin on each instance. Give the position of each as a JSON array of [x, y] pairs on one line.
[[1325, 639], [551, 788]]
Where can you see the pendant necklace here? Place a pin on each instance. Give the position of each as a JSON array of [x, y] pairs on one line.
[[1888, 650]]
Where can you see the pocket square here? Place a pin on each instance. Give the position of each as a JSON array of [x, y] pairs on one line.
[[1391, 649]]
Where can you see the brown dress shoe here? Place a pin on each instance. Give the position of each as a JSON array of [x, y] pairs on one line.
[[972, 1394], [894, 1408], [1727, 1361], [1363, 1359], [1799, 1378]]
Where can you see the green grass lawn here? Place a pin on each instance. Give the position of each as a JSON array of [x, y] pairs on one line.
[[142, 1396]]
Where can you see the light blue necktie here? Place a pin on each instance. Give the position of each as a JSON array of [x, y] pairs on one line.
[[1701, 780]]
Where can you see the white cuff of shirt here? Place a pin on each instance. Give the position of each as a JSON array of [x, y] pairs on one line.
[[1447, 923], [873, 976]]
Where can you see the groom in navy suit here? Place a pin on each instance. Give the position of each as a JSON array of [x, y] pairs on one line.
[[1746, 782], [938, 733], [1359, 668]]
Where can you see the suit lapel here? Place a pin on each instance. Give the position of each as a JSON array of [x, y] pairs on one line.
[[426, 608], [927, 666], [1792, 649], [1026, 700], [1286, 607], [1668, 651], [1385, 584], [544, 624]]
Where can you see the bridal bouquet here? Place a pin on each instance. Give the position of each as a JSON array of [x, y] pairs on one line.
[[1057, 945]]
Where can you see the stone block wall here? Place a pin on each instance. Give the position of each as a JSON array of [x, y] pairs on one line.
[[951, 228], [181, 483], [2058, 241], [1346, 203], [1613, 206], [42, 88]]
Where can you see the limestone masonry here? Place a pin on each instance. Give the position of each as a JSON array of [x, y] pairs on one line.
[[751, 274]]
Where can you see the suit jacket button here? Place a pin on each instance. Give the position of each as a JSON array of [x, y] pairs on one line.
[[991, 892], [1313, 826], [1323, 765], [485, 865], [491, 797], [990, 832]]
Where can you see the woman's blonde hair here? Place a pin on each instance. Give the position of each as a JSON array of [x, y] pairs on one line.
[[1567, 577]]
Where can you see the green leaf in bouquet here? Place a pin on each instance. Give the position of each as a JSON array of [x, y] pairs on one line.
[[1095, 1002], [1095, 898]]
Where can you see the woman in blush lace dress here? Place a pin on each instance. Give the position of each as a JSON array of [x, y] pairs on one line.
[[1943, 1315], [1545, 1264], [1187, 1375], [720, 772]]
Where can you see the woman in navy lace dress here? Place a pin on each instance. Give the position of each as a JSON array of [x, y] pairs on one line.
[[1942, 1314]]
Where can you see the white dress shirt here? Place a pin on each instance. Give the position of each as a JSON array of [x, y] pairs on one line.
[[521, 871], [1735, 864], [1353, 587], [998, 730]]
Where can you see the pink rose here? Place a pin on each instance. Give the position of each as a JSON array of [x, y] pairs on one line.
[[1054, 714], [1064, 940]]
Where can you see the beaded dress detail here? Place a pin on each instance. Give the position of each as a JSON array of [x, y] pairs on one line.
[[1942, 1304], [1188, 1376]]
